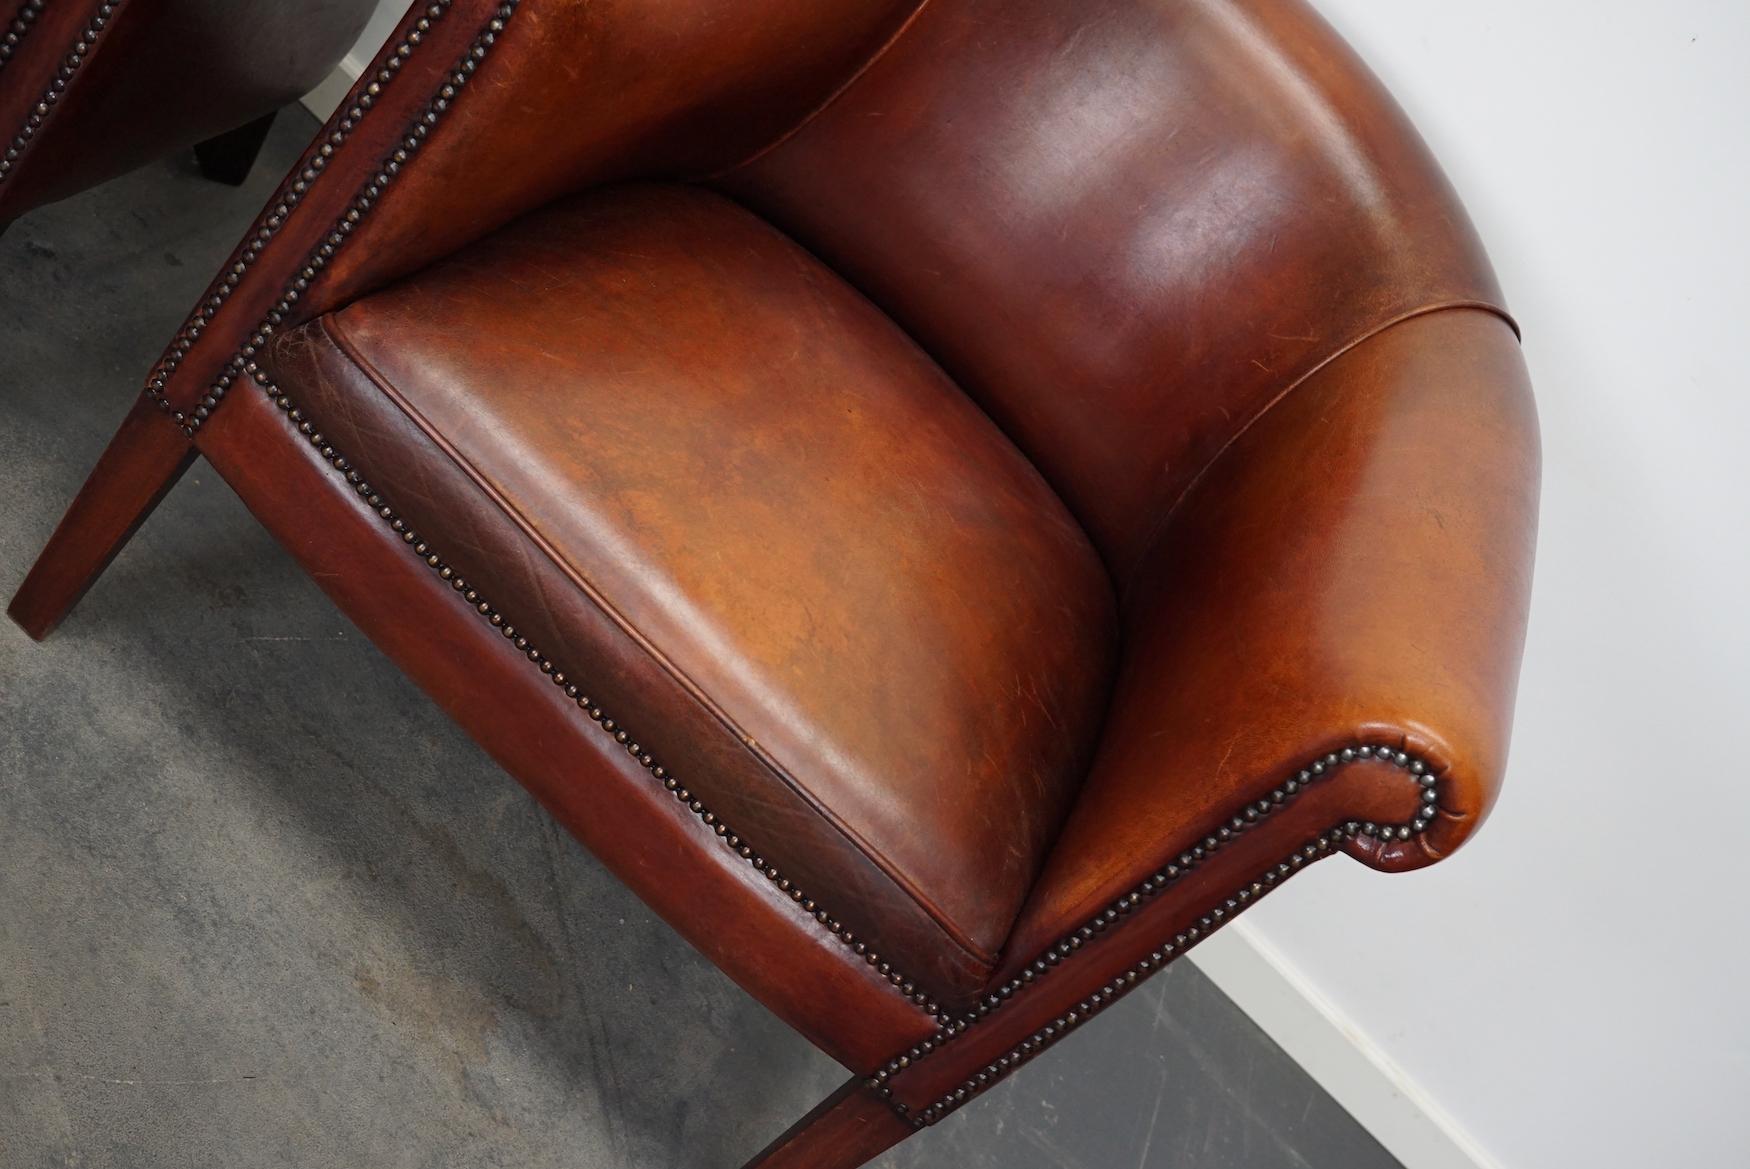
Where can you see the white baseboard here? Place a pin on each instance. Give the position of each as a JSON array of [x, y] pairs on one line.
[[1336, 1054]]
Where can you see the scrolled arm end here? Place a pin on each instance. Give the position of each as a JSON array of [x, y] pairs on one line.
[[1327, 630]]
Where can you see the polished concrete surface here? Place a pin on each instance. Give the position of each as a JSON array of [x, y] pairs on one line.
[[262, 905]]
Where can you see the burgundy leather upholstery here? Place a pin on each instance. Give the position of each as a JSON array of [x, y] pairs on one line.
[[759, 524]]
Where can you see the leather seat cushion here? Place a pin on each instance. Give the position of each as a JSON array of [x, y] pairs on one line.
[[762, 530]]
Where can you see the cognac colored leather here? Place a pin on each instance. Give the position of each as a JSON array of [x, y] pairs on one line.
[[1085, 477], [709, 475], [1324, 583], [773, 946], [1098, 186], [594, 92], [94, 88]]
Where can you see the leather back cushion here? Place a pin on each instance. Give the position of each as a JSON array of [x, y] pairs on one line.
[[1123, 226]]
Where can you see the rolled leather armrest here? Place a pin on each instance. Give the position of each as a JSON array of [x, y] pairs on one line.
[[1328, 626]]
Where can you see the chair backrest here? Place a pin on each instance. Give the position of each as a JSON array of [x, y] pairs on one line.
[[1123, 226]]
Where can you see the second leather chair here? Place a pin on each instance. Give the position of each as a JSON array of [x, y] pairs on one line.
[[91, 89]]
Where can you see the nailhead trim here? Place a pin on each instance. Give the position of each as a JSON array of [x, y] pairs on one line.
[[22, 22], [319, 257], [45, 105], [732, 840], [1253, 814], [999, 1069]]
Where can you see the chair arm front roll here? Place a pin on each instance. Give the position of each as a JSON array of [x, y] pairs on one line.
[[1325, 637]]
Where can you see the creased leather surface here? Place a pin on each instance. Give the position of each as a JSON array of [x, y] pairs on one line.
[[776, 543]]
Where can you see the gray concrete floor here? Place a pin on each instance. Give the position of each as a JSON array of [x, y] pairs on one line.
[[262, 905]]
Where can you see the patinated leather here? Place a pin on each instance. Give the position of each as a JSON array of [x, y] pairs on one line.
[[1125, 230], [1123, 227], [1187, 256], [578, 94], [763, 529], [160, 76], [1327, 582], [769, 944]]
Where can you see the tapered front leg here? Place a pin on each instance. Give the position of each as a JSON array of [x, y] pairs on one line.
[[850, 1128], [229, 157], [138, 468]]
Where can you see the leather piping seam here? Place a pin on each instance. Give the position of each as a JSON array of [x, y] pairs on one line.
[[1426, 778], [19, 27], [1353, 343], [842, 88], [45, 104], [421, 548], [335, 331], [298, 186]]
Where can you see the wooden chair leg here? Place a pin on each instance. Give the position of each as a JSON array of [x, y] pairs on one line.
[[229, 157], [851, 1127], [138, 468]]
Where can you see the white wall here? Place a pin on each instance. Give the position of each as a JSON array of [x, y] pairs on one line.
[[381, 24], [1573, 987], [325, 98]]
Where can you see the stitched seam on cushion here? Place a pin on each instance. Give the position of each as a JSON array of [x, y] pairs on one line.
[[831, 98], [334, 330], [1359, 339]]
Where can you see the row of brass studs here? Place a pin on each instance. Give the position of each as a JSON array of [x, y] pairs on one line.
[[295, 192], [22, 22], [423, 549], [1253, 814], [999, 1069], [51, 96]]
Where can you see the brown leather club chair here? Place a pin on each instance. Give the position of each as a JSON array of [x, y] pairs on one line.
[[952, 502], [91, 89]]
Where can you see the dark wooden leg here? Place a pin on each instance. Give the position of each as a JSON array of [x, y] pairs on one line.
[[228, 158], [851, 1127], [138, 468]]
